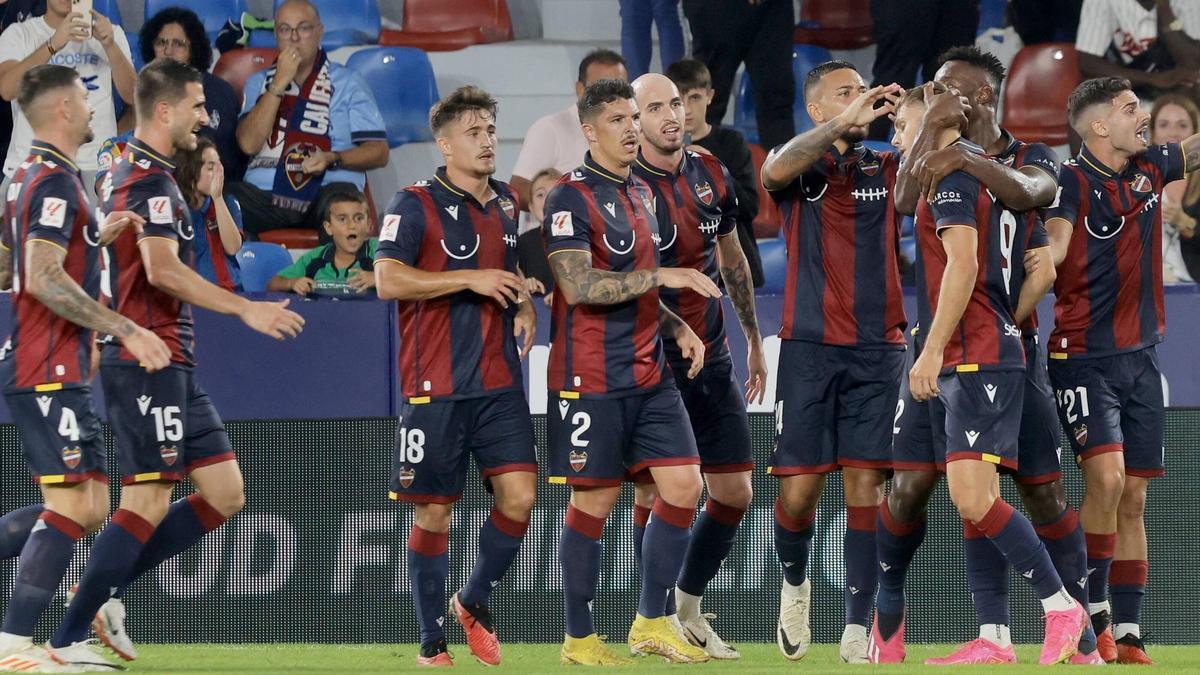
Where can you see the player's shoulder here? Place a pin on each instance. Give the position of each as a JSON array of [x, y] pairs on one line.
[[569, 186], [708, 161]]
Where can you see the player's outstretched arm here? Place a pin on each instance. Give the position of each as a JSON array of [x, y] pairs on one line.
[[1059, 230], [47, 281], [166, 272], [1028, 187], [1039, 277], [735, 271], [942, 111], [958, 280], [690, 345], [581, 284], [395, 280]]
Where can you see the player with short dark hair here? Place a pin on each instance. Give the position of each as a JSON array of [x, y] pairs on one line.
[[842, 341], [970, 249], [165, 425], [448, 254], [1106, 233], [51, 261], [615, 410], [697, 211]]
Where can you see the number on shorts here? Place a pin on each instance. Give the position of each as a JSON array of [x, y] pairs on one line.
[[68, 426], [896, 421], [1067, 399], [167, 425], [582, 422], [412, 445]]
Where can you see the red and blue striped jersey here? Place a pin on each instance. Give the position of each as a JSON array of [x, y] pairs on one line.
[[987, 337], [143, 181], [694, 206], [456, 346], [46, 203], [1109, 289], [843, 243], [604, 350]]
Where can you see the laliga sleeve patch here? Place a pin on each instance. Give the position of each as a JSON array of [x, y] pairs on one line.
[[391, 227], [53, 212], [160, 211], [561, 225]]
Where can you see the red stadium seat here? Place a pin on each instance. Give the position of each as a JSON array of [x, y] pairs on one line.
[[291, 237], [440, 26], [768, 221], [1035, 95], [835, 24], [235, 67]]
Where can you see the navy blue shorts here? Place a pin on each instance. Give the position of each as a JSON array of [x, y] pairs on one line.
[[435, 440], [716, 406], [1113, 404], [164, 423], [834, 407], [60, 434], [983, 415], [602, 441], [1038, 451], [918, 427]]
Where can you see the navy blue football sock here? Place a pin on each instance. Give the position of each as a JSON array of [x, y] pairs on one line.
[[896, 543], [862, 563], [14, 529], [663, 551], [1128, 582], [1064, 541], [1100, 548], [44, 561], [987, 576], [579, 554], [713, 535], [428, 567], [793, 539], [186, 522], [499, 542], [1013, 534]]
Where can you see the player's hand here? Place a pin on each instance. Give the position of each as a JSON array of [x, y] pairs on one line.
[[691, 347], [690, 278], [149, 350], [525, 327], [360, 281], [285, 68], [936, 165], [923, 378], [102, 29], [1033, 262], [273, 318], [947, 110], [302, 286], [502, 286], [117, 222], [756, 365], [533, 285], [862, 110], [318, 162]]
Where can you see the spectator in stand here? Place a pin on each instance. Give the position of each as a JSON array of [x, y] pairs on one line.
[[555, 141], [310, 127], [344, 267], [177, 33], [15, 11], [531, 250], [1172, 119], [1038, 21], [1151, 43], [92, 46], [636, 45], [726, 33], [694, 82], [216, 217]]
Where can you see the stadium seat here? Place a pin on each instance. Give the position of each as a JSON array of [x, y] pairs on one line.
[[291, 237], [347, 23], [259, 261], [879, 146], [907, 226], [774, 262], [110, 9], [135, 49], [403, 83], [1035, 95], [768, 221], [213, 13], [440, 26], [992, 15], [835, 24], [236, 66], [804, 59]]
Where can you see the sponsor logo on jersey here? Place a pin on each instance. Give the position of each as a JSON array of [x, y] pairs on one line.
[[561, 225], [160, 210], [391, 227], [53, 212]]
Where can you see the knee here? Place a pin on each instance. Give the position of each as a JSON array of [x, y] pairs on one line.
[[971, 502], [683, 491], [863, 487], [1133, 504], [433, 517], [1105, 487], [227, 498], [737, 496], [516, 506], [93, 518], [1044, 502], [909, 497]]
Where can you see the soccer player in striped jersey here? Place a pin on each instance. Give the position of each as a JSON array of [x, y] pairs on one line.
[[165, 425], [843, 341], [697, 211], [1106, 233], [615, 410], [448, 254], [51, 261]]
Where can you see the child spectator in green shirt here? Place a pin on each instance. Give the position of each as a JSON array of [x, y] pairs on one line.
[[342, 267]]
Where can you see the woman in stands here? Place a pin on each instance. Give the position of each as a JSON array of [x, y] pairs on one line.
[[216, 218], [1172, 119], [177, 33]]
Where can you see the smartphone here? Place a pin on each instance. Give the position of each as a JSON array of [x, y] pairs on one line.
[[84, 7]]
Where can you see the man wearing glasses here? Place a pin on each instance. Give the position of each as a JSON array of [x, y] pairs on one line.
[[307, 124]]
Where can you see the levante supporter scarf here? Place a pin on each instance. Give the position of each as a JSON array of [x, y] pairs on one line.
[[303, 124]]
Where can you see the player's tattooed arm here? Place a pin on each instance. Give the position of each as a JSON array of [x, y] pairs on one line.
[[1191, 153], [53, 287], [735, 272], [1021, 189], [6, 269], [581, 284]]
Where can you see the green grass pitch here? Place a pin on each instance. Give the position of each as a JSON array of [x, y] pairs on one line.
[[530, 658]]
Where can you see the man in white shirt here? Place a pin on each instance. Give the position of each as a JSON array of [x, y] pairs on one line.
[[92, 46], [555, 141], [1152, 43]]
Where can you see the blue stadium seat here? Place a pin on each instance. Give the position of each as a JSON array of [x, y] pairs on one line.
[[213, 13], [804, 58], [879, 146], [908, 249], [774, 261], [402, 80], [347, 23], [991, 15], [259, 262], [907, 226], [135, 49], [110, 9]]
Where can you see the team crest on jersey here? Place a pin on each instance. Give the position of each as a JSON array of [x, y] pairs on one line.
[[405, 477], [169, 454], [869, 168], [293, 164], [1140, 183], [508, 207], [71, 456], [1080, 433], [578, 460], [705, 193]]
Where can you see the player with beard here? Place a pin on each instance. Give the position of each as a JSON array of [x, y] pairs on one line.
[[843, 341], [165, 425]]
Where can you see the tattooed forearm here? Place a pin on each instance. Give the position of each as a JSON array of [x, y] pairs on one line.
[[6, 269], [740, 286], [1191, 153], [53, 287], [798, 154], [582, 285]]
